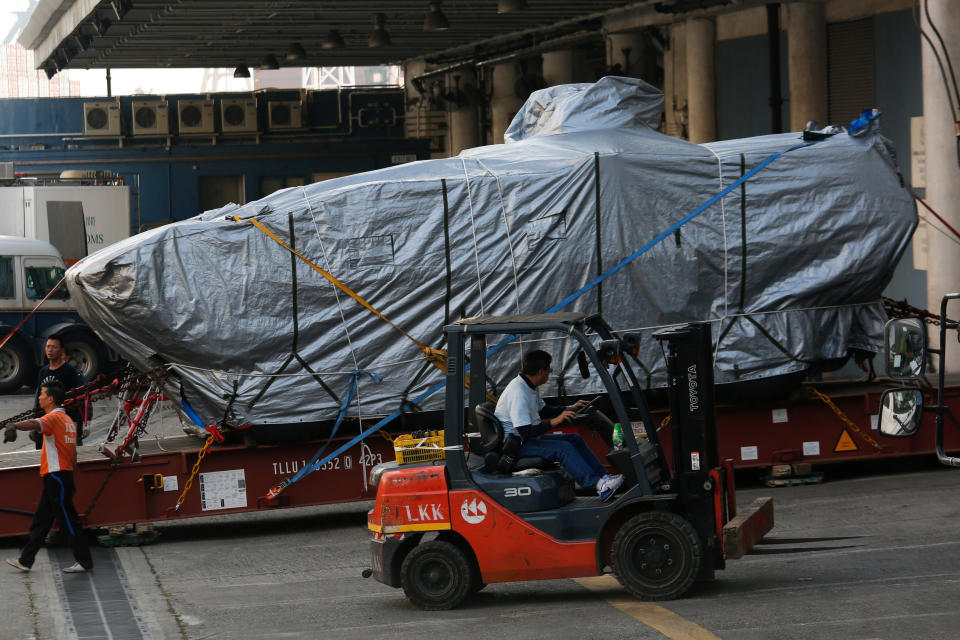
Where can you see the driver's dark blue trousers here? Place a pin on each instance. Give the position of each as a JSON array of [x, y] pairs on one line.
[[570, 451]]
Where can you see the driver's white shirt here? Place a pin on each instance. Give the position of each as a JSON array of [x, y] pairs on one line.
[[519, 406]]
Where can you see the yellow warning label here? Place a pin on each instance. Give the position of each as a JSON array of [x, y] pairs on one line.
[[845, 443]]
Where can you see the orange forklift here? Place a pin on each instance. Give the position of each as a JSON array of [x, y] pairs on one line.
[[443, 529]]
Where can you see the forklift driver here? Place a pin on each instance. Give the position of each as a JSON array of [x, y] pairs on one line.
[[526, 418]]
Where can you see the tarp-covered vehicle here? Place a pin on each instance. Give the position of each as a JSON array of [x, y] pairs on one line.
[[789, 265]]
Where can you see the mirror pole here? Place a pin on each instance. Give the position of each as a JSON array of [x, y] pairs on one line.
[[941, 408]]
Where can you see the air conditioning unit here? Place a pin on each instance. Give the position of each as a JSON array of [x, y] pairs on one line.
[[238, 115], [149, 118], [101, 118], [195, 116], [285, 114]]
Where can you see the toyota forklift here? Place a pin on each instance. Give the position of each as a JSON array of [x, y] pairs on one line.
[[444, 529]]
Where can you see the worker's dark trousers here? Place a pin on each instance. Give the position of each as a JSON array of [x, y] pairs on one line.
[[56, 503]]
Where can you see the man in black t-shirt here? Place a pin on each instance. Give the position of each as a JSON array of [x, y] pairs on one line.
[[59, 369]]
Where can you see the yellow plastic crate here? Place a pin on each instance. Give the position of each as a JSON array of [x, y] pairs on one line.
[[422, 446]]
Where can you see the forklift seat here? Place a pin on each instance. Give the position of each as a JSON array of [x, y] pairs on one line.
[[491, 439], [549, 490]]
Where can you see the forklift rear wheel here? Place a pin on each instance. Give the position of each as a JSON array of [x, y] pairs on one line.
[[656, 555], [437, 575]]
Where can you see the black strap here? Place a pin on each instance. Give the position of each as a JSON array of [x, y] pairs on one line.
[[743, 233], [596, 180], [294, 353], [446, 248]]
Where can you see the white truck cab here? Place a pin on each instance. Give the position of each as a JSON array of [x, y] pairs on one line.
[[29, 270]]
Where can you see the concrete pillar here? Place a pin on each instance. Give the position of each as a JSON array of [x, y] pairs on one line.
[[701, 79], [464, 121], [807, 63], [943, 173], [558, 67], [675, 82], [504, 103], [411, 69], [626, 51]]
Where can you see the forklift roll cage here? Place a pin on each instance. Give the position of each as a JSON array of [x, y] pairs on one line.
[[569, 323]]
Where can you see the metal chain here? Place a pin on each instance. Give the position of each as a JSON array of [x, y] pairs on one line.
[[96, 390], [193, 473], [902, 309], [843, 417]]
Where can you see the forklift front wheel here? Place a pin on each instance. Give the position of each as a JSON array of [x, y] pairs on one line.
[[437, 575], [656, 555]]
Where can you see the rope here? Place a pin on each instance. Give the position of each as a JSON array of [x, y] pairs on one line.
[[930, 209], [843, 417], [27, 317], [506, 225], [473, 228], [326, 260], [193, 473], [103, 485], [723, 223]]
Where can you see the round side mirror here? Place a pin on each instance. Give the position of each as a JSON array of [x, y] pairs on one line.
[[901, 411], [905, 343]]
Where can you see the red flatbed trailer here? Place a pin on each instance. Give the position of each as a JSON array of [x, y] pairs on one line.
[[236, 478], [806, 429]]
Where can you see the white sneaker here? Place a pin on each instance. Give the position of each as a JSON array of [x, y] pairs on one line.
[[15, 563], [607, 485], [76, 567]]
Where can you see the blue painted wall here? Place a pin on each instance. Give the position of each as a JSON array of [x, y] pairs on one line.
[[366, 134]]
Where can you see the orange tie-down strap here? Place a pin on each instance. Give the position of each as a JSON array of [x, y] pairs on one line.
[[436, 357]]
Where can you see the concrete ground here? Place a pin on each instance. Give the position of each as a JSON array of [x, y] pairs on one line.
[[296, 574]]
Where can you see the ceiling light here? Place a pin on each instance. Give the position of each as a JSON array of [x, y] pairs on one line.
[[506, 6], [270, 62], [241, 71], [435, 20], [379, 37], [333, 40], [296, 52]]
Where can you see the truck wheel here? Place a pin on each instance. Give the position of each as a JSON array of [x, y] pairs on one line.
[[16, 366], [436, 575], [656, 555], [86, 356]]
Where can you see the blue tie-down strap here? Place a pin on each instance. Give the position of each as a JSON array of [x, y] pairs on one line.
[[187, 409], [347, 400], [861, 123], [197, 420], [316, 464]]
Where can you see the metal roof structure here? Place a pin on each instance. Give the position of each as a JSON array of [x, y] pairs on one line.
[[72, 34]]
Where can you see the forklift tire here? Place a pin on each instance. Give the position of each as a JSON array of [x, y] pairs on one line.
[[656, 555], [437, 575]]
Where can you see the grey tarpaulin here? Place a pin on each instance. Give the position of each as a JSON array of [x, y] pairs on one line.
[[825, 225]]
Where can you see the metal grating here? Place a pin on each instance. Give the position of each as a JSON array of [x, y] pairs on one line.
[[97, 604]]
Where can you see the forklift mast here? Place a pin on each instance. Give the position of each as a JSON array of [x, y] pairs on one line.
[[695, 452]]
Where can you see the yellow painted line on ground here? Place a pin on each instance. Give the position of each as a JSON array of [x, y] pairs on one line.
[[653, 615]]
